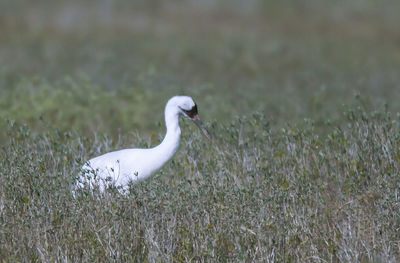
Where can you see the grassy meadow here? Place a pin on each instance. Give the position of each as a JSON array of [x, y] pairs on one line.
[[301, 97]]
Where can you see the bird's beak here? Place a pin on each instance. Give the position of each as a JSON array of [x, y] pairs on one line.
[[201, 126]]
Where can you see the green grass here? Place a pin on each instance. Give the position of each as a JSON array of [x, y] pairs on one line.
[[301, 98], [252, 194]]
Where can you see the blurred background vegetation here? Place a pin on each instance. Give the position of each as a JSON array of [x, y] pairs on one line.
[[109, 66]]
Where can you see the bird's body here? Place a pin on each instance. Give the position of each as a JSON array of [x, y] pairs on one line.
[[121, 167]]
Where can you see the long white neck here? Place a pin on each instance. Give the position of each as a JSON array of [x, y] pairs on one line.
[[163, 152]]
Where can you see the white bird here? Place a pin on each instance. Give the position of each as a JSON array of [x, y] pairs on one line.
[[121, 167]]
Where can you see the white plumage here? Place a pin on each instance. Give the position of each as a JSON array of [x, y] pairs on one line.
[[132, 165]]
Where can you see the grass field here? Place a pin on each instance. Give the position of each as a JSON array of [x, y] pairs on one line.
[[302, 99]]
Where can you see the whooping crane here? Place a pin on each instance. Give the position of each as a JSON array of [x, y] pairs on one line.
[[132, 165]]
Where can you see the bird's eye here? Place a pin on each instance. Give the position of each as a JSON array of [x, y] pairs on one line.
[[192, 112]]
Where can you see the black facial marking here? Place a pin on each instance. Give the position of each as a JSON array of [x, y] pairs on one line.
[[191, 113]]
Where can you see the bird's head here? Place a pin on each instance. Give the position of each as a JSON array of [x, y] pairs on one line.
[[188, 108]]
